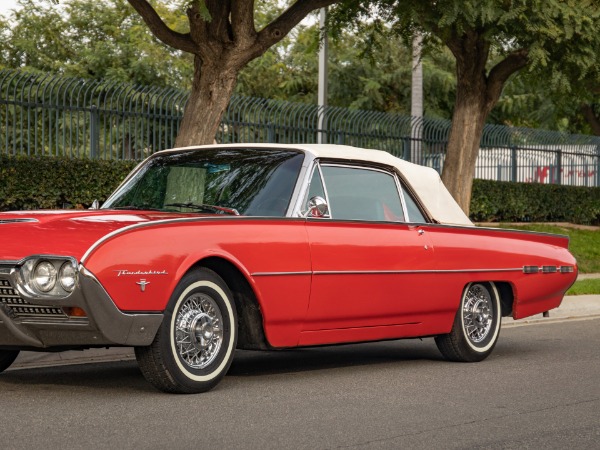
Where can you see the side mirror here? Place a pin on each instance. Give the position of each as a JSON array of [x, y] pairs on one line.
[[95, 205], [317, 207]]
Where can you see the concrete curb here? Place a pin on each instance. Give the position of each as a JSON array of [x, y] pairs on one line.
[[581, 307], [587, 276], [572, 307]]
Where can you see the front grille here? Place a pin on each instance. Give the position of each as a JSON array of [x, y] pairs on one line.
[[21, 308]]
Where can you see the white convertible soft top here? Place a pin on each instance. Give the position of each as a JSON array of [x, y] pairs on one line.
[[425, 181]]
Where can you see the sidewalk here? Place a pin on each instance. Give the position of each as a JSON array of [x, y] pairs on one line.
[[573, 308], [587, 276]]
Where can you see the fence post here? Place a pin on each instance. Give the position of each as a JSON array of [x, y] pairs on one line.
[[94, 132], [406, 149], [514, 162], [558, 176], [270, 133], [340, 138], [597, 166]]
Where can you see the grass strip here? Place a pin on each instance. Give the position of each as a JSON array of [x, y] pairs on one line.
[[585, 287]]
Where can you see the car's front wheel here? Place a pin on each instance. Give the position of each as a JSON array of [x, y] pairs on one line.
[[7, 357], [476, 325], [194, 345]]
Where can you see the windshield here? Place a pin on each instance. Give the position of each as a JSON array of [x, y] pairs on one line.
[[248, 181]]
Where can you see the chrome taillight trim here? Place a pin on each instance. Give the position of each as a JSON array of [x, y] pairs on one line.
[[548, 269]]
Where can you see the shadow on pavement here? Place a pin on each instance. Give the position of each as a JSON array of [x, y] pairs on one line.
[[255, 363], [115, 376], [126, 376]]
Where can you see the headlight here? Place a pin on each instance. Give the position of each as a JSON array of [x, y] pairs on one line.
[[47, 276], [44, 276], [67, 276]]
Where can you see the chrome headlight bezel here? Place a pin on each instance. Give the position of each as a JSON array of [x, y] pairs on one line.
[[67, 276], [44, 276], [62, 272]]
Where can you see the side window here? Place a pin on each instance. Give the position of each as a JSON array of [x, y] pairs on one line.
[[316, 185], [413, 211], [362, 194], [315, 189]]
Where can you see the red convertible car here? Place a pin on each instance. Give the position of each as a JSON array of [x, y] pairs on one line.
[[204, 250]]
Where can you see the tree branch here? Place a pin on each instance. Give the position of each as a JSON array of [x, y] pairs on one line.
[[591, 118], [242, 20], [281, 26], [471, 51], [505, 68], [219, 26], [156, 25]]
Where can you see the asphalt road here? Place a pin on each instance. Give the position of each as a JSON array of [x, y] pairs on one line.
[[539, 389]]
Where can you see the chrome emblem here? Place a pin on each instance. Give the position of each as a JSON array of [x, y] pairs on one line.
[[123, 272], [142, 283]]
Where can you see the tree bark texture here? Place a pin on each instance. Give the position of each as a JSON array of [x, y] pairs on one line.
[[477, 92], [222, 45], [591, 118], [208, 101]]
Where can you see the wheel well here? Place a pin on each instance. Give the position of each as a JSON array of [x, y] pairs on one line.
[[251, 334], [507, 297]]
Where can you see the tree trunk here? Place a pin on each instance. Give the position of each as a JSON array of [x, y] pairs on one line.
[[223, 39], [591, 118], [468, 121], [477, 92], [208, 101], [470, 112]]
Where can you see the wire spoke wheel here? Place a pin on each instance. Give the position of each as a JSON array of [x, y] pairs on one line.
[[478, 315], [476, 325], [195, 344], [198, 331]]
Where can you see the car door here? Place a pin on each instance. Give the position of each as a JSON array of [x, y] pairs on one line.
[[369, 264]]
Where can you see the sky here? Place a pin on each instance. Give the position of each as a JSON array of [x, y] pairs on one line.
[[7, 5]]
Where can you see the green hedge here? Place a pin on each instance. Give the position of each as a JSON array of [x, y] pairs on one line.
[[49, 183], [498, 201]]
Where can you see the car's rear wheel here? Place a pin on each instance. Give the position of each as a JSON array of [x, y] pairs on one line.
[[476, 325], [7, 357], [194, 345]]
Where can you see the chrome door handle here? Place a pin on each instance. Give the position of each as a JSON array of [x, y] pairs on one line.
[[421, 232]]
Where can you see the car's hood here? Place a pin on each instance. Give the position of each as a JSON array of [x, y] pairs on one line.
[[64, 233]]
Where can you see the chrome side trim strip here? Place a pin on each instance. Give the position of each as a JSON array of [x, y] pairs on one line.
[[17, 220], [118, 231], [380, 272], [404, 272], [151, 223], [278, 274]]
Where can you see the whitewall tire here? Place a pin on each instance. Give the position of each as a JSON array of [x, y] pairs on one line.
[[476, 325], [194, 345]]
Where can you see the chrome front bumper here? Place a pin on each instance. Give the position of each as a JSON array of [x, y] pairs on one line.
[[42, 323]]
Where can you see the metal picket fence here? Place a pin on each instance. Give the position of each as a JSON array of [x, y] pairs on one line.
[[43, 114]]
